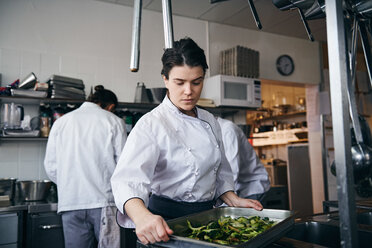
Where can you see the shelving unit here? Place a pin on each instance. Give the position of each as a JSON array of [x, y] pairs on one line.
[[133, 107], [141, 107], [23, 139], [281, 117]]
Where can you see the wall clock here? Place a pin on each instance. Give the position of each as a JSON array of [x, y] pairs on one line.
[[285, 65]]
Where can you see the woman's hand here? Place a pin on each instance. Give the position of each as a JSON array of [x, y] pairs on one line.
[[150, 228], [231, 199]]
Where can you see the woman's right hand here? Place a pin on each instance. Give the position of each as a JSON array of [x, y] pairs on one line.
[[150, 228]]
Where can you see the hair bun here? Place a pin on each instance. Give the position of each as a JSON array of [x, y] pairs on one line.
[[99, 88]]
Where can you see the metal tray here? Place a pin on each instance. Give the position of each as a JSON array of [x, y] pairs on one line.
[[284, 218]]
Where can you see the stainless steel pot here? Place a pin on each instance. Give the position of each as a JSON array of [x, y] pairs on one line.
[[7, 187], [35, 190]]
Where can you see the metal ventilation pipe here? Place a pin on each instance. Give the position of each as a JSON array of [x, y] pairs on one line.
[[168, 23], [255, 15], [316, 11], [300, 5], [364, 8], [136, 33]]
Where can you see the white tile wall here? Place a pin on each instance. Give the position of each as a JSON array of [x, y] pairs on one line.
[[30, 62], [91, 40], [22, 160], [50, 64], [69, 66], [10, 65]]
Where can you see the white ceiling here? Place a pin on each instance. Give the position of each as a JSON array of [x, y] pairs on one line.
[[238, 13]]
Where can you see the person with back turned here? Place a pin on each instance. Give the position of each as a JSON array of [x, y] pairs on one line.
[[250, 176], [82, 151]]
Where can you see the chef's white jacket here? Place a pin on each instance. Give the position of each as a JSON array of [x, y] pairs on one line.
[[82, 151], [172, 155], [250, 176]]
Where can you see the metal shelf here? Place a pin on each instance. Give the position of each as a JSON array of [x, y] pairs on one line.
[[222, 111], [37, 100], [283, 116], [23, 139]]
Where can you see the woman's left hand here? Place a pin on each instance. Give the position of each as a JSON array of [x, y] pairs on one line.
[[231, 199]]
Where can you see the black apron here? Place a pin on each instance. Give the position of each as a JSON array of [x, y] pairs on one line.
[[170, 209]]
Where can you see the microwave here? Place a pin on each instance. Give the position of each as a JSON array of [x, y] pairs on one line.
[[233, 91]]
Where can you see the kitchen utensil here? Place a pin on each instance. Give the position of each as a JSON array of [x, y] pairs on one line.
[[7, 187], [20, 133], [158, 94], [12, 115], [29, 92], [284, 218], [141, 95], [35, 190], [301, 103], [35, 123], [28, 82]]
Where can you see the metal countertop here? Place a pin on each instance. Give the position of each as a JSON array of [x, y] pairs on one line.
[[30, 207]]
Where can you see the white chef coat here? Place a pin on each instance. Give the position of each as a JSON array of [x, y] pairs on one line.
[[172, 155], [82, 151], [250, 176]]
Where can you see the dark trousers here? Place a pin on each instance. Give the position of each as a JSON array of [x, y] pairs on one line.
[[81, 228], [128, 238]]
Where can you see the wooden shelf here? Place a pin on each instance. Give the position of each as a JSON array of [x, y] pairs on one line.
[[283, 116]]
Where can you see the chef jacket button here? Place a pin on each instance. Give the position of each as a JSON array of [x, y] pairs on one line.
[[217, 146], [215, 168], [196, 173], [206, 125], [188, 148]]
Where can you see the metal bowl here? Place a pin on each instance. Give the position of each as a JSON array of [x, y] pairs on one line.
[[158, 94], [35, 190], [7, 187]]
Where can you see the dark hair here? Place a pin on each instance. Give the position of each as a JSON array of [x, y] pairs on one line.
[[184, 51], [103, 97]]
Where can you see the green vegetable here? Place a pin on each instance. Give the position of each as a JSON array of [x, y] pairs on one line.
[[230, 231]]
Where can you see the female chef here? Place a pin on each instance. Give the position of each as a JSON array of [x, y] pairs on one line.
[[173, 163]]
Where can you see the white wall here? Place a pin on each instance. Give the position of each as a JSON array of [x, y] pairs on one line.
[[304, 53], [86, 39], [90, 40]]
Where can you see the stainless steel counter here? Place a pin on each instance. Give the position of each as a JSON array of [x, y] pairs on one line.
[[30, 207]]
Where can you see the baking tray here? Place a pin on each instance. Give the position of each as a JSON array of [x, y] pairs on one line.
[[285, 219]]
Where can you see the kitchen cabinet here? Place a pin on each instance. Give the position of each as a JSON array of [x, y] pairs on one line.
[[299, 179], [11, 229], [44, 228], [8, 229]]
